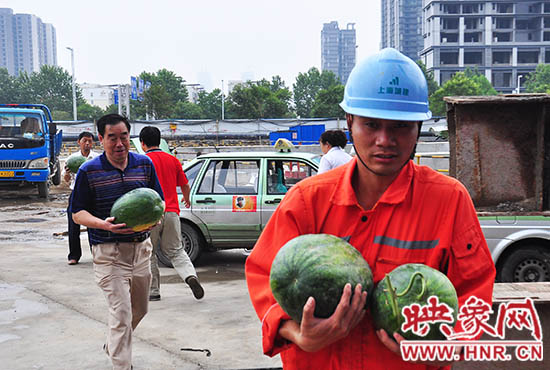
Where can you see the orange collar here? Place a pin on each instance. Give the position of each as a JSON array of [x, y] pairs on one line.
[[344, 194]]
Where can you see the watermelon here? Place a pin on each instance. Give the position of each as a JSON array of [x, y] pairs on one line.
[[139, 209], [407, 284], [318, 266], [74, 163]]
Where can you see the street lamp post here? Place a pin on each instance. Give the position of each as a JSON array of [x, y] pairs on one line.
[[519, 84], [73, 84]]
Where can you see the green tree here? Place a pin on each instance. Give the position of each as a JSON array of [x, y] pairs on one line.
[[485, 86], [459, 85], [261, 99], [210, 104], [158, 102], [188, 110], [137, 109], [173, 84], [307, 86], [539, 80], [51, 86], [24, 89], [113, 108], [166, 92], [9, 91], [59, 115], [89, 112], [432, 84], [327, 103]]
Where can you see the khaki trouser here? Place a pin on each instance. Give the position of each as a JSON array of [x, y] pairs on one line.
[[122, 271], [167, 235]]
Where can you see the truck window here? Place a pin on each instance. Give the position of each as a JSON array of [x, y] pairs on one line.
[[20, 125]]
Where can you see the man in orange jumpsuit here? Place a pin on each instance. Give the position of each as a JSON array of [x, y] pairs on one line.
[[393, 211]]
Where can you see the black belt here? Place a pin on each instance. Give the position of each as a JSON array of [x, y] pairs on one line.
[[139, 239]]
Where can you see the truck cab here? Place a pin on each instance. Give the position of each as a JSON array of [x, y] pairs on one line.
[[30, 145]]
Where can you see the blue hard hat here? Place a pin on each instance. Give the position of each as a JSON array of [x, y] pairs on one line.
[[387, 85]]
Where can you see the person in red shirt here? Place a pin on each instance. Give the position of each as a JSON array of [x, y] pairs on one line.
[[393, 212], [167, 235]]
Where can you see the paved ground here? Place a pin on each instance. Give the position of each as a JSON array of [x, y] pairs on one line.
[[53, 316]]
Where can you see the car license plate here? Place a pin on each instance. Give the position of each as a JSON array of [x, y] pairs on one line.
[[6, 173]]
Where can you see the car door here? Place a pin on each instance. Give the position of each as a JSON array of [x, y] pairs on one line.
[[279, 175], [226, 202]]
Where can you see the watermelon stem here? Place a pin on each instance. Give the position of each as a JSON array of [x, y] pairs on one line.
[[393, 294], [411, 283], [393, 298]]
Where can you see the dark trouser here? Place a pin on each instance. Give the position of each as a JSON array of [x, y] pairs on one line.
[[75, 251]]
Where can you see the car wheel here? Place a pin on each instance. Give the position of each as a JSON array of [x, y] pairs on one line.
[[163, 259], [527, 264], [43, 189], [192, 242]]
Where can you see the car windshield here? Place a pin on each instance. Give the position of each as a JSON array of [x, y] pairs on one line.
[[20, 125]]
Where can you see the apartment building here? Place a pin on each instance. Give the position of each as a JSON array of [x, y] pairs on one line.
[[505, 40], [26, 43], [338, 49], [402, 26]]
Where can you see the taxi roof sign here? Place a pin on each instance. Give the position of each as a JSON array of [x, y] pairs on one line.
[[283, 145]]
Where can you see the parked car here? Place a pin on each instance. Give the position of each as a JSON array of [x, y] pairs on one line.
[[233, 195], [520, 246]]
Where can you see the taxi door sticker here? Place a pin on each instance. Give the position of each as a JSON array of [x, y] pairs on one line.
[[244, 203]]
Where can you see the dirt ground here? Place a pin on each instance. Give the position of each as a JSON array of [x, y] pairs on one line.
[[53, 316]]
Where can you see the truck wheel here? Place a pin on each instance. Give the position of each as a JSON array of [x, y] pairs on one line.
[[56, 179], [192, 242], [43, 189], [527, 264]]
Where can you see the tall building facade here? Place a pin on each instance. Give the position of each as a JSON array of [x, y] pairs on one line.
[[338, 49], [402, 26], [503, 39], [26, 43]]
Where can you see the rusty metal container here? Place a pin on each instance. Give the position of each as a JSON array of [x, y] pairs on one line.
[[500, 150]]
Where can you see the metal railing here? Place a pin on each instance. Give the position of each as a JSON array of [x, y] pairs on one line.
[[433, 156]]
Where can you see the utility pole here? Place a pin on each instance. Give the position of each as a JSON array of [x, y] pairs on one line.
[[119, 92], [223, 98], [73, 85], [127, 88]]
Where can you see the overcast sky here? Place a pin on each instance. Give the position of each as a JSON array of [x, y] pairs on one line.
[[202, 41]]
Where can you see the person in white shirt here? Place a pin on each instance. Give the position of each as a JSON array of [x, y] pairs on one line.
[[332, 144], [85, 142]]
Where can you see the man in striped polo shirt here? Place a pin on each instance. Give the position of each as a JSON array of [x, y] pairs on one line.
[[120, 255]]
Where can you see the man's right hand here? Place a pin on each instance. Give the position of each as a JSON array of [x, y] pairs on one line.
[[314, 333], [116, 228]]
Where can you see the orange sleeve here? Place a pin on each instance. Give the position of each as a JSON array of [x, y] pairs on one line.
[[471, 267], [289, 220]]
